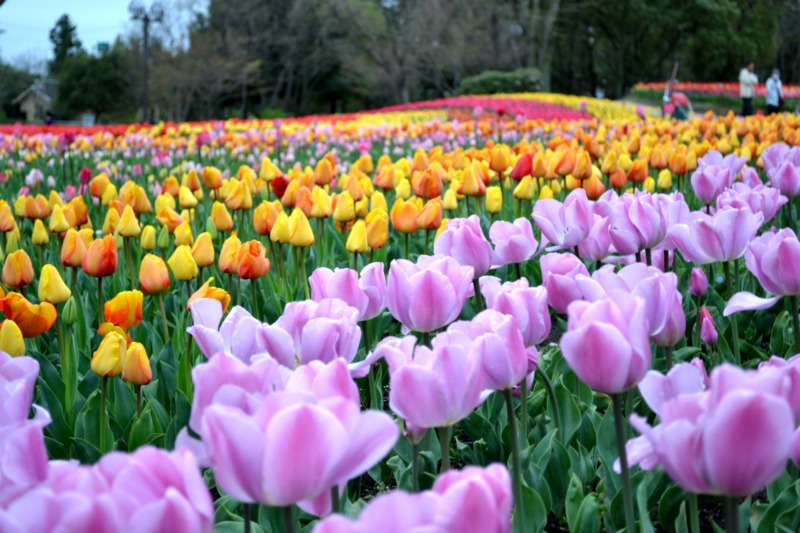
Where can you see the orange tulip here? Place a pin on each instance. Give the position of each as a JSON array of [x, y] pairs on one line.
[[72, 249], [124, 309], [252, 260], [221, 217], [171, 187], [98, 184], [565, 162], [377, 222], [153, 275], [228, 256], [619, 179], [203, 250], [583, 167], [77, 208], [677, 163], [7, 222], [239, 197], [324, 172], [212, 177], [37, 207], [264, 217], [404, 215], [191, 180], [33, 320], [427, 183], [499, 158], [594, 188], [207, 291], [658, 160], [384, 178], [107, 327], [538, 166], [17, 270], [304, 201], [170, 218], [471, 183], [100, 259], [431, 215], [136, 369], [639, 171], [634, 145]]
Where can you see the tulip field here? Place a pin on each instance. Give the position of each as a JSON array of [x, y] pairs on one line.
[[521, 312]]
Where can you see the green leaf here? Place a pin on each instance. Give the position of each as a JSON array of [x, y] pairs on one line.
[[568, 411], [645, 526], [607, 448], [535, 511], [588, 518], [556, 476], [782, 512], [237, 527], [669, 506], [681, 525], [573, 501]]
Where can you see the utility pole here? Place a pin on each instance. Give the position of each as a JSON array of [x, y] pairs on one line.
[[156, 14]]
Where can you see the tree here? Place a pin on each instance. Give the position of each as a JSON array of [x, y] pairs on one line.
[[64, 37], [13, 81]]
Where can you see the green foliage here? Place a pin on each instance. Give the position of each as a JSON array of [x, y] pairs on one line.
[[271, 112], [64, 36], [494, 82], [94, 84], [13, 82]]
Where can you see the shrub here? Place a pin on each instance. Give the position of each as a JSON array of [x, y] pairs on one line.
[[493, 82]]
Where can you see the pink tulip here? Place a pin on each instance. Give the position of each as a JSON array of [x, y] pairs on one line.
[[513, 241], [235, 335], [759, 199], [17, 382], [367, 293], [597, 244], [606, 343], [312, 331], [675, 327], [709, 182], [528, 306], [559, 272], [708, 333], [463, 240], [329, 442], [786, 178], [430, 294], [771, 258], [637, 224], [565, 225], [703, 239], [730, 440], [698, 283], [473, 500], [496, 341], [657, 388], [432, 388]]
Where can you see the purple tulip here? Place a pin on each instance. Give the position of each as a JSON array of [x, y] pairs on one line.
[[329, 442], [709, 182], [565, 225], [731, 162], [430, 294], [759, 199], [786, 178], [528, 306], [675, 211], [513, 241], [597, 244], [496, 341], [17, 381], [698, 283], [233, 336], [366, 293], [463, 240], [675, 327], [771, 258], [473, 500], [637, 224], [708, 333], [657, 289], [732, 439], [657, 389], [606, 343], [312, 331], [558, 277], [704, 239], [432, 388]]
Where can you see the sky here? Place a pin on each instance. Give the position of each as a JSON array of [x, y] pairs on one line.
[[27, 25]]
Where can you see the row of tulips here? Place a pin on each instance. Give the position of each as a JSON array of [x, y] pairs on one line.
[[249, 395]]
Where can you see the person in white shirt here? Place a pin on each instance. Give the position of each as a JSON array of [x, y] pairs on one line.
[[774, 92], [747, 88]]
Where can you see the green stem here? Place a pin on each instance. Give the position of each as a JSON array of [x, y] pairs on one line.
[[518, 269], [795, 322], [478, 298], [103, 414], [74, 280], [129, 259], [427, 241], [551, 393], [425, 341], [519, 507], [246, 517], [523, 412], [697, 324], [694, 515], [66, 370], [414, 467], [305, 276], [335, 504], [100, 300], [163, 317], [238, 290], [668, 357], [188, 365], [627, 493], [405, 246], [444, 444], [666, 261], [254, 295], [648, 254], [734, 323], [288, 519], [731, 514], [138, 401]]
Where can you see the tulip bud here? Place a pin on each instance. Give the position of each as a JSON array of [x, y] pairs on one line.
[[450, 200], [128, 223], [109, 358], [664, 180], [136, 369], [357, 240], [251, 259], [698, 283], [708, 333], [182, 264], [51, 287], [40, 236], [221, 217], [494, 199], [211, 228], [11, 339], [203, 250], [183, 234], [163, 238], [148, 238], [186, 198], [70, 312], [300, 233], [111, 222], [153, 275], [58, 222], [17, 270], [345, 210]]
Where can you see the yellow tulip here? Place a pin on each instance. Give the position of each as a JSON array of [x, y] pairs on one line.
[[109, 358], [40, 236], [51, 287], [148, 240], [345, 209], [136, 369], [58, 222], [182, 264], [357, 240], [183, 234], [11, 340], [128, 223], [300, 233], [494, 199]]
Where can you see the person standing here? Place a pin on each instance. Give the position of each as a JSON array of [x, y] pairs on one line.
[[774, 92], [747, 87]]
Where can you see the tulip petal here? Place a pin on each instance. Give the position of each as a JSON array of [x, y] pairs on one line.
[[747, 301]]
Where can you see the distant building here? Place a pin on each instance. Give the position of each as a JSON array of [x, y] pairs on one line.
[[37, 100]]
